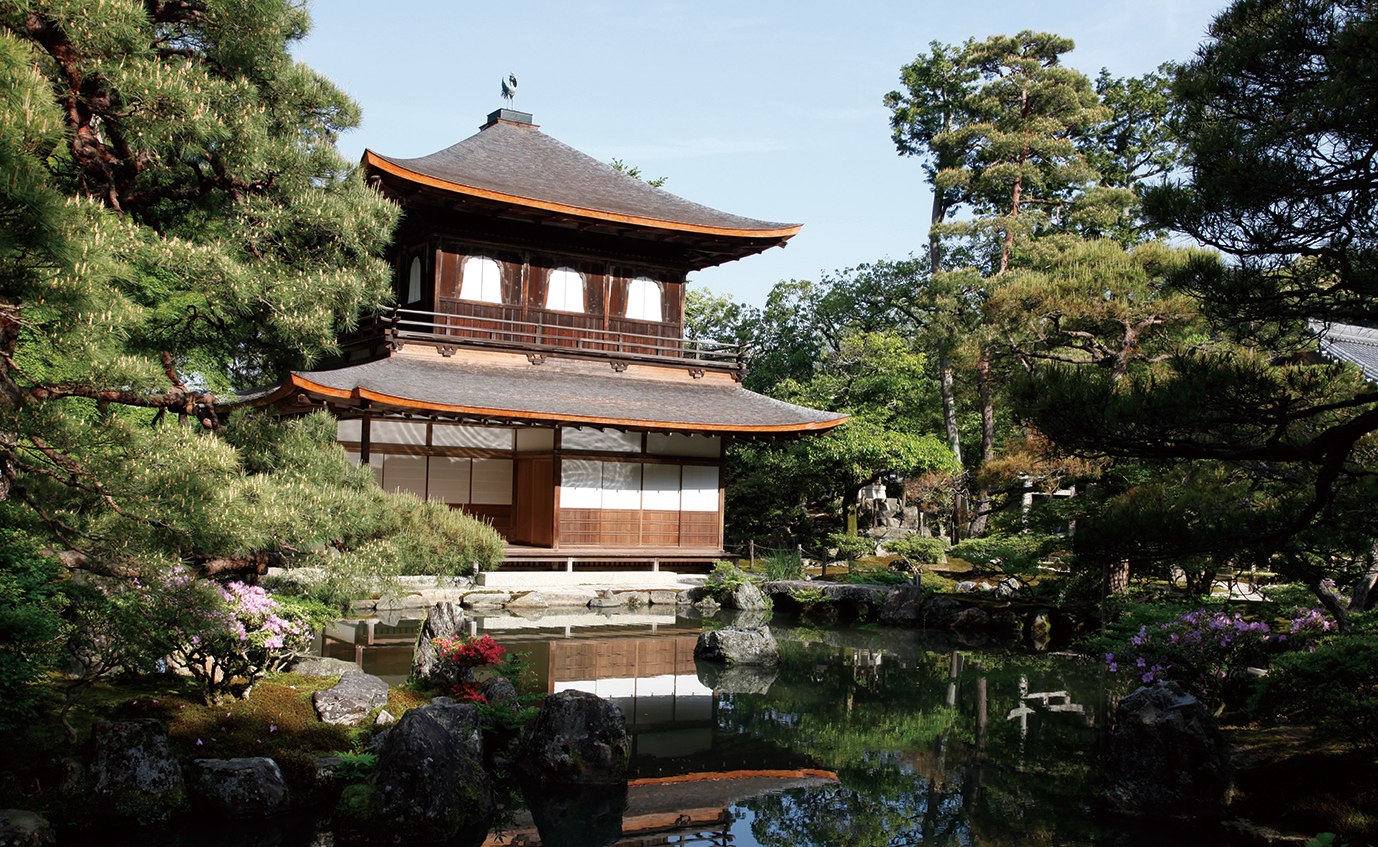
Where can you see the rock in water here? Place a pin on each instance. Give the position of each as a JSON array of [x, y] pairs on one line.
[[238, 788], [749, 646], [577, 739], [353, 697], [21, 828], [903, 605], [443, 620], [748, 597], [428, 785], [133, 775], [1166, 757]]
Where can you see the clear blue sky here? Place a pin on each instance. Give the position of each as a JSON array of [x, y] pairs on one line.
[[761, 108]]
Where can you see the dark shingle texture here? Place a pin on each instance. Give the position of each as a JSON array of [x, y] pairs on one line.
[[521, 161], [1357, 345], [549, 392]]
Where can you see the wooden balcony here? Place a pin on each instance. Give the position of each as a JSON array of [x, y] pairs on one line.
[[562, 334]]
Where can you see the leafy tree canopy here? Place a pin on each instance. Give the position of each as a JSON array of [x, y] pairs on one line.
[[177, 224]]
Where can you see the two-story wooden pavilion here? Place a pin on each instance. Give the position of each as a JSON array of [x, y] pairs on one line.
[[536, 373]]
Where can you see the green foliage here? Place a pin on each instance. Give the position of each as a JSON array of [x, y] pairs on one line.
[[32, 628], [810, 598], [918, 550], [1334, 688], [354, 766], [725, 578], [852, 547], [154, 259], [875, 577], [783, 565], [1013, 554]]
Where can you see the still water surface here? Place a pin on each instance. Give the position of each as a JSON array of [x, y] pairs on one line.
[[865, 735]]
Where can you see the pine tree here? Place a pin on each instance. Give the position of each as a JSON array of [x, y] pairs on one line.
[[178, 224]]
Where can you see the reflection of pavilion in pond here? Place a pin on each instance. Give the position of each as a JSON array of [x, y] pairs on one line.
[[643, 662], [686, 772]]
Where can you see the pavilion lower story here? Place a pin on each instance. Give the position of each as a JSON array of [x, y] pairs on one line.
[[576, 464]]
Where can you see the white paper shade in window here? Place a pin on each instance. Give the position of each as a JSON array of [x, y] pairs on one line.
[[564, 291]]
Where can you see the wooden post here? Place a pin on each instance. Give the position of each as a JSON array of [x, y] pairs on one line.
[[569, 565], [751, 552]]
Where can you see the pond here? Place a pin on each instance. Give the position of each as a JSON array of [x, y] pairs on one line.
[[865, 735]]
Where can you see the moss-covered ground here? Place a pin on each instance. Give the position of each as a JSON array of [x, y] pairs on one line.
[[277, 721]]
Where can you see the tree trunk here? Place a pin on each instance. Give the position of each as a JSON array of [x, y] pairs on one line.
[[1363, 595], [945, 391], [978, 522], [1330, 601]]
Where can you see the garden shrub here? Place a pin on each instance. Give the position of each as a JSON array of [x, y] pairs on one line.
[[1199, 650], [918, 549], [852, 547], [242, 636], [725, 578], [1015, 554], [783, 565], [31, 624], [1333, 687], [456, 661]]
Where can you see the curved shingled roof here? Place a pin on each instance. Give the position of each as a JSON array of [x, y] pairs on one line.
[[515, 162], [548, 394], [1357, 345]]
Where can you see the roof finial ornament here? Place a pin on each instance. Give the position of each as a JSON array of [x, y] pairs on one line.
[[509, 89]]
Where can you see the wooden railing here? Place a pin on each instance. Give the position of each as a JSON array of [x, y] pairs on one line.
[[493, 332]]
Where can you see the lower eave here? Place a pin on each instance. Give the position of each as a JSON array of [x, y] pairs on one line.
[[577, 394]]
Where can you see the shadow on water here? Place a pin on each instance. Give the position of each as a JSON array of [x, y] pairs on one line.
[[863, 736]]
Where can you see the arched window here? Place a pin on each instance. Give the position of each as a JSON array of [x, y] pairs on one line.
[[643, 300], [564, 290], [481, 280], [414, 280]]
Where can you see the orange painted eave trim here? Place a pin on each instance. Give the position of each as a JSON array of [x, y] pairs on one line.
[[372, 159], [300, 383]]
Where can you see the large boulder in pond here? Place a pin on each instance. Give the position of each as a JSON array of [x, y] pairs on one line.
[[903, 604], [747, 597], [132, 775], [237, 788], [577, 739], [429, 784], [443, 620], [1165, 757], [738, 646], [22, 828], [350, 699]]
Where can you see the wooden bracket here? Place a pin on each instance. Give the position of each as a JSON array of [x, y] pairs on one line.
[[696, 373], [619, 366], [536, 358], [446, 350]]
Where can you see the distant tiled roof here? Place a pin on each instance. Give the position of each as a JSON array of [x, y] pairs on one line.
[[516, 162], [552, 394], [1357, 345]]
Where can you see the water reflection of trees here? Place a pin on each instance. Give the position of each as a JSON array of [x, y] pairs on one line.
[[929, 748]]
